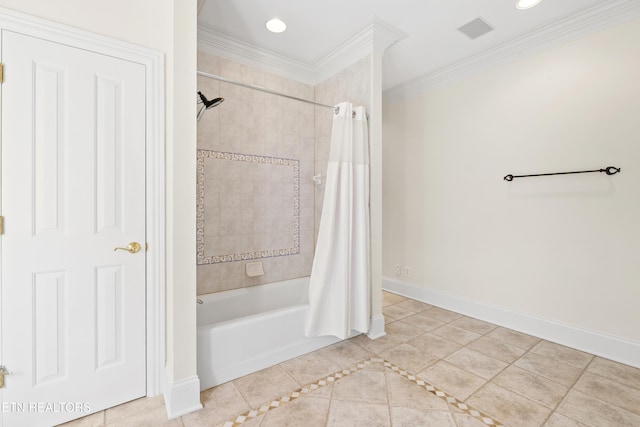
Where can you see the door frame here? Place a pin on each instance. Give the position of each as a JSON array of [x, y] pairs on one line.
[[153, 61]]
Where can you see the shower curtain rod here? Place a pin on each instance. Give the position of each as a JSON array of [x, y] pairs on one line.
[[262, 89]]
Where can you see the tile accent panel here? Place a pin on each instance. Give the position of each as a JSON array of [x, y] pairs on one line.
[[272, 188]]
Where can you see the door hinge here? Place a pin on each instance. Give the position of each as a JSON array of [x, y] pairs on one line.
[[1, 73], [1, 225]]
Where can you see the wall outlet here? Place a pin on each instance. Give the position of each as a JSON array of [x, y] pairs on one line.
[[407, 272], [398, 270]]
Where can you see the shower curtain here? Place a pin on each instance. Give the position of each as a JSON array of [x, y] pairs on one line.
[[339, 290]]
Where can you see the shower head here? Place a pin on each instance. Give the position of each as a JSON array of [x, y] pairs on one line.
[[206, 104]]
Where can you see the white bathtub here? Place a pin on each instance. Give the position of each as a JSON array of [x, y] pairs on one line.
[[245, 330]]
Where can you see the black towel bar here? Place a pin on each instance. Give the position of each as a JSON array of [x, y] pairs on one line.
[[609, 170]]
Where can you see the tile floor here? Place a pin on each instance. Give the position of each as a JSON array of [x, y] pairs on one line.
[[434, 368]]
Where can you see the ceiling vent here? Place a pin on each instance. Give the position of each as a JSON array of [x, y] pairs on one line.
[[476, 28]]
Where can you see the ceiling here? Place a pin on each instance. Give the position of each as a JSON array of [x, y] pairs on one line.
[[431, 39]]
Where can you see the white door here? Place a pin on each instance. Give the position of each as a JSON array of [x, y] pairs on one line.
[[73, 189]]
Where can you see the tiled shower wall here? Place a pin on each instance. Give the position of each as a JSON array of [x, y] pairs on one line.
[[255, 171], [257, 154]]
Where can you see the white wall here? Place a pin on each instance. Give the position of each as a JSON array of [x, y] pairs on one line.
[[181, 197], [170, 27], [563, 249], [143, 22]]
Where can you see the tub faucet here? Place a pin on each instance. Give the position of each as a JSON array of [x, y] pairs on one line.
[[199, 301]]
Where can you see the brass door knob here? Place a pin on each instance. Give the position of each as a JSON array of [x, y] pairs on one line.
[[133, 248], [3, 372]]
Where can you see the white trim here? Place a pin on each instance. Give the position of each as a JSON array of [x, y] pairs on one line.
[[155, 189], [373, 34], [179, 397], [375, 190], [607, 346], [153, 61], [376, 330], [605, 15], [219, 44]]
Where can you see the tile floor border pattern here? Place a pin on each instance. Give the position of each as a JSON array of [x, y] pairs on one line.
[[304, 390]]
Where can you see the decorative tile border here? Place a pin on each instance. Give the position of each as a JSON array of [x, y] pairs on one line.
[[200, 228], [330, 379]]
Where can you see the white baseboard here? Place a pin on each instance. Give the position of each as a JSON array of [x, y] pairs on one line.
[[376, 330], [182, 397], [607, 346]]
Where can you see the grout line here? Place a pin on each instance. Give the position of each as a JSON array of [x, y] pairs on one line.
[[455, 422], [509, 365], [569, 388], [388, 395], [287, 374], [246, 399], [330, 379], [329, 406], [468, 409]]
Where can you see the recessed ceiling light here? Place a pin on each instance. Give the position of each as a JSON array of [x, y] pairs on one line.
[[526, 4], [276, 26]]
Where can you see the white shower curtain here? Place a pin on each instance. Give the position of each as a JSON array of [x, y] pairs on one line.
[[339, 291]]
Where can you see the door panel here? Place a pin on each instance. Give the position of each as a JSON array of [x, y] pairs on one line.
[[73, 189], [49, 149], [49, 336], [109, 332], [109, 149]]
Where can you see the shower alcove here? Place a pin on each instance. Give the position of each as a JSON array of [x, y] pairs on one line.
[[258, 154]]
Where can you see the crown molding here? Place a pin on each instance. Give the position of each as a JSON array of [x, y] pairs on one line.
[[385, 35], [607, 14], [217, 43], [373, 35]]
